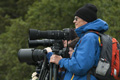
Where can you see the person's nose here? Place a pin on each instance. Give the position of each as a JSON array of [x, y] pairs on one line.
[[74, 21]]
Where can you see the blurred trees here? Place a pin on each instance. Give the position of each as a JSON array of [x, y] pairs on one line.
[[18, 16], [109, 11], [11, 9]]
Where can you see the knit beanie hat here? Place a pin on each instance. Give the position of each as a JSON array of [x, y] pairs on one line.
[[87, 12]]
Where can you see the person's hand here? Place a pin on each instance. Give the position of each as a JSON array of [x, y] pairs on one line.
[[48, 49], [55, 59], [34, 76]]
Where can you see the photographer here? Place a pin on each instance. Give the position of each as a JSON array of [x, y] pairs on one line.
[[87, 50]]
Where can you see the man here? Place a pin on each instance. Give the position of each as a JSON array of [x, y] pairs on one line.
[[87, 50]]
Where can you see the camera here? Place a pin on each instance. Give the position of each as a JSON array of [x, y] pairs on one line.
[[65, 34], [32, 56]]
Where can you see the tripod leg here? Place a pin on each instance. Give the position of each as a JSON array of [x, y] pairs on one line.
[[51, 71], [55, 71]]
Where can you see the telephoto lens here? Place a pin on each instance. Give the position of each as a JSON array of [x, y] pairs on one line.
[[49, 34], [43, 42], [65, 34], [31, 55]]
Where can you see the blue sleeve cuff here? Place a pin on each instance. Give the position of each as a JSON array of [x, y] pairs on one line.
[[61, 62], [49, 55]]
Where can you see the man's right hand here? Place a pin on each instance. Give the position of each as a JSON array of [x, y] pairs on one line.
[[48, 49]]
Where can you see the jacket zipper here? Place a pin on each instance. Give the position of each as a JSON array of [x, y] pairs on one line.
[[72, 77]]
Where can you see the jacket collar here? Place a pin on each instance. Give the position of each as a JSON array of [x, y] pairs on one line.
[[97, 25]]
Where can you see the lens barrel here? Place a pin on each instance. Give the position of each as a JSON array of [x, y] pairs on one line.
[[43, 42], [31, 55], [50, 34]]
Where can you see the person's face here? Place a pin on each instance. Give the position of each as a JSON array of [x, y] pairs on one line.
[[79, 22], [65, 42], [71, 50]]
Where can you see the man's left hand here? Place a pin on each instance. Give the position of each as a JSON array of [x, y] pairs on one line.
[[55, 59]]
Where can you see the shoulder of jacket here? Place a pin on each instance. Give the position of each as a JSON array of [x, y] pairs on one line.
[[91, 35]]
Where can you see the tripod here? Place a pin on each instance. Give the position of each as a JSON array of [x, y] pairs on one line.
[[54, 67]]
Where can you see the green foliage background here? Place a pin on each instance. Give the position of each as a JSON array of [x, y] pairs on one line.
[[18, 16]]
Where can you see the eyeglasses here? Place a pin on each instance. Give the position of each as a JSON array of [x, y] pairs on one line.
[[76, 18]]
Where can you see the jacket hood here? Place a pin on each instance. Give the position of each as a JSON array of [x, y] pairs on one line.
[[97, 25]]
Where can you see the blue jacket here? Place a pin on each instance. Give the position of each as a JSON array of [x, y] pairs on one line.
[[86, 53]]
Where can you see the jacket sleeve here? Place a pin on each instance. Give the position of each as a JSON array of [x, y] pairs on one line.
[[49, 55], [84, 57]]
